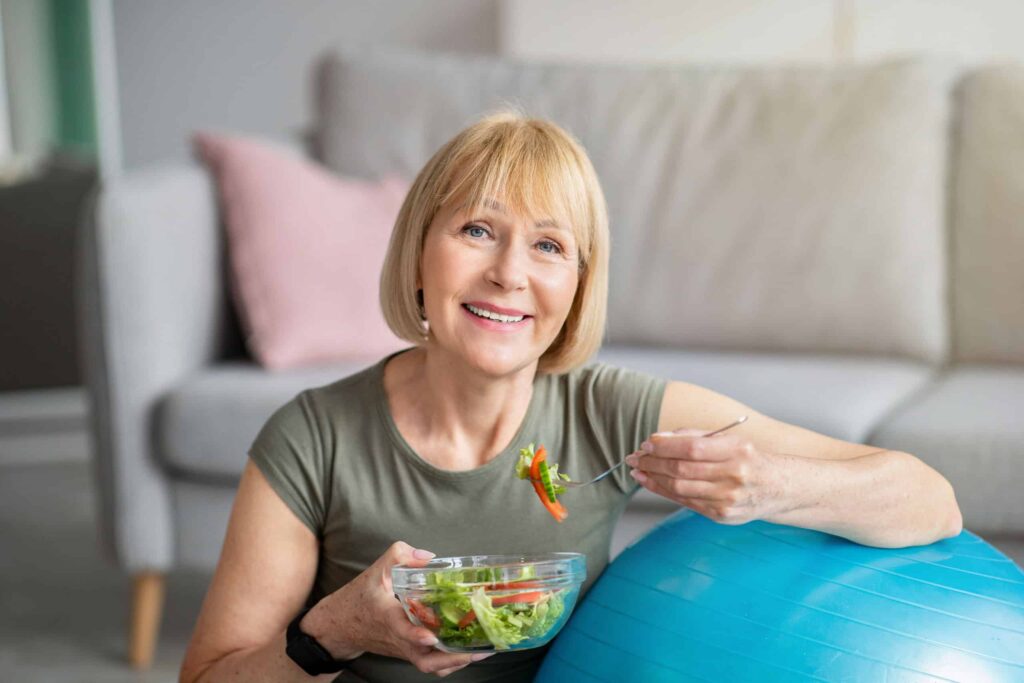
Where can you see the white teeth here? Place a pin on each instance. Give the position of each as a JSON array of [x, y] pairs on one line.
[[494, 316]]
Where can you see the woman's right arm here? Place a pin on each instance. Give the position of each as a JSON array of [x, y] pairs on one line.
[[264, 576], [265, 573]]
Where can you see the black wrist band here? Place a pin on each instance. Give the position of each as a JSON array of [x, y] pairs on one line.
[[311, 656]]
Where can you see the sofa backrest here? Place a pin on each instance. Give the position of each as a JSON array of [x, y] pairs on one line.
[[988, 217], [776, 209]]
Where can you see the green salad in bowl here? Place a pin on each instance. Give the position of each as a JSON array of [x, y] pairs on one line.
[[486, 603]]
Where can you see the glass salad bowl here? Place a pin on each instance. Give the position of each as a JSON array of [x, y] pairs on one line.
[[491, 603]]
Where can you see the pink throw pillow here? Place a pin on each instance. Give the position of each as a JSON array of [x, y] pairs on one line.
[[306, 249]]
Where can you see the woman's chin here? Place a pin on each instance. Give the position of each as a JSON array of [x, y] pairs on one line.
[[493, 355], [498, 362]]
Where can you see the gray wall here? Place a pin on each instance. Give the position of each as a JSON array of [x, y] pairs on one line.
[[248, 65], [29, 66]]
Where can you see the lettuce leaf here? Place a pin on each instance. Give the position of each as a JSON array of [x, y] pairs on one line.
[[495, 622], [523, 463]]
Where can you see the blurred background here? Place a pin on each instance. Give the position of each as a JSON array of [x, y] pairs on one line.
[[91, 89]]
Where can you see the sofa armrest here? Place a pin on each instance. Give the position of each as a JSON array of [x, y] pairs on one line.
[[152, 308]]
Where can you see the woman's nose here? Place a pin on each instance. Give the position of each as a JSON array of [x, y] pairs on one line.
[[509, 269]]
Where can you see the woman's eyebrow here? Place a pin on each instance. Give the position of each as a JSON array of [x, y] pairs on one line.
[[500, 208]]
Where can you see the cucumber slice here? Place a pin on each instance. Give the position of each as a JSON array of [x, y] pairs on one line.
[[545, 480], [451, 613]]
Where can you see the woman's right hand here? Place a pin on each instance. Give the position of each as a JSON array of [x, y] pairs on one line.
[[364, 616]]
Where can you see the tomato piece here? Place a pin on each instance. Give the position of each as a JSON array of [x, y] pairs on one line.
[[535, 596], [426, 615], [468, 619], [556, 509], [538, 457], [513, 585]]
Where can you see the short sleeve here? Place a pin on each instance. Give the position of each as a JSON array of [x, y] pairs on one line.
[[288, 451], [623, 407]]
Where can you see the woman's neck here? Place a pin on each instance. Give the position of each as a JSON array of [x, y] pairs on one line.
[[454, 417]]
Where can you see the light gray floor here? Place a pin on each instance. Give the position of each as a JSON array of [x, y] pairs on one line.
[[63, 608]]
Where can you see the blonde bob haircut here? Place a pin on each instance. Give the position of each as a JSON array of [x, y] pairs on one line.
[[537, 170]]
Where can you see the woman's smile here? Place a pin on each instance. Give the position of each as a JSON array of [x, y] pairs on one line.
[[489, 319]]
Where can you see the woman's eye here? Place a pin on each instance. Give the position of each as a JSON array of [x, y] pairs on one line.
[[555, 247], [474, 231]]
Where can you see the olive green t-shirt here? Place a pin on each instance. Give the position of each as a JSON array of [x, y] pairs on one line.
[[337, 459]]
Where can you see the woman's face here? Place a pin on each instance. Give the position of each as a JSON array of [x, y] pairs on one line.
[[497, 286]]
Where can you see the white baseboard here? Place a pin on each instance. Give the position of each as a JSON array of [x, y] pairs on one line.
[[44, 426]]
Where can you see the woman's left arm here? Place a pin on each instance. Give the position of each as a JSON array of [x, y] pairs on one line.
[[781, 473]]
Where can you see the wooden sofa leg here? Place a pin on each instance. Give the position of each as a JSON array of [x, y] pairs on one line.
[[147, 608]]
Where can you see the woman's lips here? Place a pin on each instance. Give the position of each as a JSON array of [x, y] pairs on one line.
[[494, 324], [494, 308]]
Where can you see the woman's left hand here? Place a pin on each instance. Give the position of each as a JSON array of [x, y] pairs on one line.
[[723, 477]]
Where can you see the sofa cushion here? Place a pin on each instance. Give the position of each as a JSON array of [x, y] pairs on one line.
[[205, 425], [775, 209], [968, 426], [843, 397], [988, 218], [306, 252]]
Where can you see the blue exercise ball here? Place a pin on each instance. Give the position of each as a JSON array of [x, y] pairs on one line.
[[696, 600]]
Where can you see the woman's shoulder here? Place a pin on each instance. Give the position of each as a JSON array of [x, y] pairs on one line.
[[603, 378], [604, 392]]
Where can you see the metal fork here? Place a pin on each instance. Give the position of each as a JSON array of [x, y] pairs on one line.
[[578, 484]]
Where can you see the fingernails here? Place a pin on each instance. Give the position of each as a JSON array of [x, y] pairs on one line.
[[647, 447], [428, 641], [638, 475], [480, 655], [632, 459], [422, 554]]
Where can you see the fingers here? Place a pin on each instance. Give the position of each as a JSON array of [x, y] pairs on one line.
[[440, 663], [401, 552], [671, 487], [690, 444], [430, 660], [416, 636], [719, 511], [718, 505], [473, 658], [417, 645], [676, 467], [445, 672]]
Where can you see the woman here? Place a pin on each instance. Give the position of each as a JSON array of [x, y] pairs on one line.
[[497, 272]]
